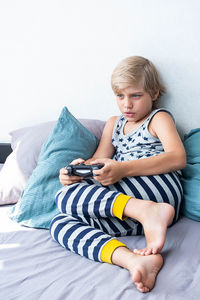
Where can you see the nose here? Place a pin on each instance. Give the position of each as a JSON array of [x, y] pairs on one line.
[[127, 102]]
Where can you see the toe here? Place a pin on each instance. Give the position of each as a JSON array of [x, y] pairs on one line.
[[155, 250], [139, 285], [145, 251], [139, 251], [136, 251], [146, 289], [142, 288], [149, 251]]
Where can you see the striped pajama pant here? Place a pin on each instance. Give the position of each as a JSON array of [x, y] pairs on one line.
[[90, 216]]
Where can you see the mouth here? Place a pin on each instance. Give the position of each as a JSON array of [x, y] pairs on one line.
[[129, 114]]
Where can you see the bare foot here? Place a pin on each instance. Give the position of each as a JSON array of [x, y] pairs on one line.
[[158, 217], [143, 269]]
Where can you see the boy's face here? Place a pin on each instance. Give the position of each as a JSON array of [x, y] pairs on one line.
[[134, 103]]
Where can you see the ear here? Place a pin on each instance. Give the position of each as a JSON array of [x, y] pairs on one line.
[[156, 95]]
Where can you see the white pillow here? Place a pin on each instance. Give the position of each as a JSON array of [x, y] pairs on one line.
[[26, 144]]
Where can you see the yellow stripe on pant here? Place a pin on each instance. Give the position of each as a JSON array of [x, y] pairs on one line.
[[119, 205], [109, 248]]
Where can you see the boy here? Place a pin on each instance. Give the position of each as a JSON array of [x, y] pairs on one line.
[[138, 185]]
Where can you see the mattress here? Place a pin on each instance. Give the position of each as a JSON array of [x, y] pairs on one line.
[[33, 266]]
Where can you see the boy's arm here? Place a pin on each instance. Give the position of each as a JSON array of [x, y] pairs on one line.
[[105, 148], [174, 158]]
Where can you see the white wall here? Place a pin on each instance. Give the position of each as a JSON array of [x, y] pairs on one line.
[[56, 53]]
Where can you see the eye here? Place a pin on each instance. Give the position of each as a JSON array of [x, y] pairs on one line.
[[135, 96], [120, 96]]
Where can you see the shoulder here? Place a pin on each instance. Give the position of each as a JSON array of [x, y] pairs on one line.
[[161, 121], [111, 121], [162, 116], [110, 125]]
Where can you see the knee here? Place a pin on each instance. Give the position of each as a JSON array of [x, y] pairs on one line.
[[63, 199], [56, 225]]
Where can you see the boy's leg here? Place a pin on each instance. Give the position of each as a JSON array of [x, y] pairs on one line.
[[95, 244], [143, 269], [78, 200], [99, 207], [80, 237], [90, 199], [87, 223], [155, 218], [166, 192]]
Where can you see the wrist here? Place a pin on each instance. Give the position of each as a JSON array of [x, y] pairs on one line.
[[123, 169], [127, 168]]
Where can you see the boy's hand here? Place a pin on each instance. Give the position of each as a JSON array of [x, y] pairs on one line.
[[67, 180], [110, 173]]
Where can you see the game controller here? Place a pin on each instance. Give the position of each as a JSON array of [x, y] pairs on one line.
[[83, 170]]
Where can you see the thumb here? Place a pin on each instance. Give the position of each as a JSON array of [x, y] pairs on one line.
[[77, 161], [98, 161]]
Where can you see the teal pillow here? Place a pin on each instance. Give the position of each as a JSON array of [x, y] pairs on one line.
[[191, 176], [68, 140]]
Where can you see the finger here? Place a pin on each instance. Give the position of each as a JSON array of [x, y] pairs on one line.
[[97, 178], [73, 178], [98, 161], [76, 178], [63, 171], [77, 161], [104, 183], [98, 172], [95, 161], [74, 181], [69, 181], [65, 177], [101, 180]]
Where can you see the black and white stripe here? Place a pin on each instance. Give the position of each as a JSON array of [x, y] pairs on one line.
[[86, 222]]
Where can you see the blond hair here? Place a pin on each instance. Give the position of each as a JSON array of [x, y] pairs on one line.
[[134, 70]]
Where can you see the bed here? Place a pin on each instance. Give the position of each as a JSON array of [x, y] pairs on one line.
[[33, 266]]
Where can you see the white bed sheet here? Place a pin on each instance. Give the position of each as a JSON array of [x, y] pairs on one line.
[[33, 266]]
